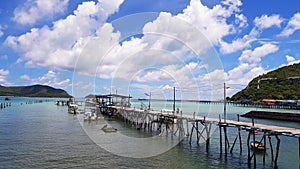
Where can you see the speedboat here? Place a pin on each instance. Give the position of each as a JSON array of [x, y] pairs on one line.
[[258, 146]]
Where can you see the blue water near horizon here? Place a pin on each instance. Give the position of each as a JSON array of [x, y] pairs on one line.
[[43, 135]]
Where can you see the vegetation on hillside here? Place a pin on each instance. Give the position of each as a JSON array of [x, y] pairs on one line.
[[281, 84], [33, 91]]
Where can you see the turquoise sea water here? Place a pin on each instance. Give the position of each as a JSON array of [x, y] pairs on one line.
[[43, 135]]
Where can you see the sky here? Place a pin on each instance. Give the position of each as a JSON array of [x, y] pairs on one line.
[[138, 47]]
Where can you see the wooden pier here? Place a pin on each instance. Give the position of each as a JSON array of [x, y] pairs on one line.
[[179, 124]]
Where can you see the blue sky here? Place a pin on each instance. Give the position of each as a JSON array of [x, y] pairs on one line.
[[141, 46]]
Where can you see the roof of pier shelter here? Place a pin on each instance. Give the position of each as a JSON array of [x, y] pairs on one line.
[[113, 95]]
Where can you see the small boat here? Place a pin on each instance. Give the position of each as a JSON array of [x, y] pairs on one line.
[[73, 108], [108, 129], [258, 146], [90, 116], [7, 98], [257, 133]]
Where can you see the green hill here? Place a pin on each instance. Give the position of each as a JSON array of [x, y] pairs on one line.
[[281, 84], [33, 91]]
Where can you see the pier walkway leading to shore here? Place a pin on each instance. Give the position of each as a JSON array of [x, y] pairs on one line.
[[178, 123], [271, 129]]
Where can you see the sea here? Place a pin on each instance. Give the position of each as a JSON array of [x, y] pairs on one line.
[[36, 133]]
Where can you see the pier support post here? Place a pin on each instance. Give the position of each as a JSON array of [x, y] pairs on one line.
[[187, 127], [197, 130], [248, 147], [254, 149], [277, 151], [192, 133], [265, 142], [207, 135], [220, 130], [271, 147], [225, 140]]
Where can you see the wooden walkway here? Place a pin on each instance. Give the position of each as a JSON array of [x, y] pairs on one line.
[[178, 124], [271, 129]]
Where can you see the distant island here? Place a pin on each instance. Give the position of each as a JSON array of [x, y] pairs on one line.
[[280, 84], [33, 91]]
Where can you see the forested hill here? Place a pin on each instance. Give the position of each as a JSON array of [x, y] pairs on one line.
[[33, 91], [281, 84]]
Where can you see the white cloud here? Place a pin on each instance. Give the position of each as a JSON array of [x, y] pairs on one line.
[[60, 45], [266, 21], [249, 66], [3, 75], [239, 43], [261, 23], [292, 26], [25, 77], [51, 78], [291, 60], [255, 56], [169, 34], [213, 22], [241, 20], [1, 32], [34, 10]]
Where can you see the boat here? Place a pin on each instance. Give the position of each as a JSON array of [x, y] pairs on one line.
[[108, 129], [90, 116], [73, 108], [258, 146], [257, 133], [7, 98]]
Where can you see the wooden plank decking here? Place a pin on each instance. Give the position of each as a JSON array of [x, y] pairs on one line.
[[294, 132]]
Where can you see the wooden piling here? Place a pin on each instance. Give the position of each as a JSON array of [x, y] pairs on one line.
[[207, 135], [197, 130], [248, 147], [271, 148], [254, 149], [265, 147], [220, 129], [277, 151], [187, 127], [233, 144], [225, 141], [191, 133]]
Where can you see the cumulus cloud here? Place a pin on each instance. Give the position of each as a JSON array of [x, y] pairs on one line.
[[239, 43], [250, 65], [255, 56], [170, 45], [51, 78], [292, 26], [3, 75], [59, 45], [213, 22], [33, 10], [260, 23], [266, 21], [291, 60], [202, 22]]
